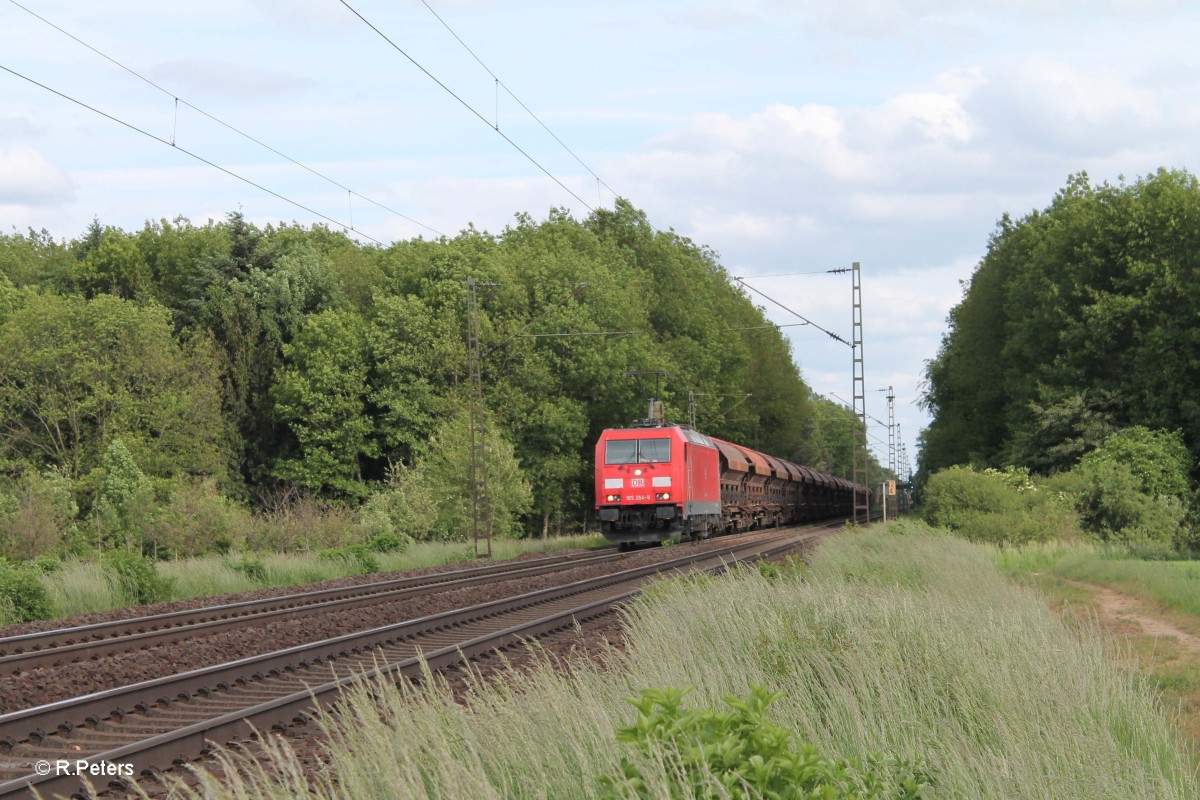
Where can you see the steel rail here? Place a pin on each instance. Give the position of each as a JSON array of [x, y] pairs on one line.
[[189, 739], [51, 648]]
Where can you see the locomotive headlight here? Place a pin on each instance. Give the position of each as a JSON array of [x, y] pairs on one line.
[[613, 498], [663, 496], [637, 471]]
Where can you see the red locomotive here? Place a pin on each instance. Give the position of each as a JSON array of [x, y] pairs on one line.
[[660, 481]]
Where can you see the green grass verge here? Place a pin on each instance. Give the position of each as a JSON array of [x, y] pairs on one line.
[[1171, 584], [903, 643], [80, 586]]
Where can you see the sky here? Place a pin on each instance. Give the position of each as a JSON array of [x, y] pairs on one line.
[[790, 136]]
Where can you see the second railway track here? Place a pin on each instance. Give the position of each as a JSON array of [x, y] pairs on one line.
[[153, 724], [65, 645]]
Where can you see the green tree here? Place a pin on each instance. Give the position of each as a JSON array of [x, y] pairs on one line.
[[1077, 322], [440, 486], [38, 516], [417, 354], [1158, 460], [829, 436], [124, 502], [181, 259], [78, 373], [321, 394], [36, 260], [117, 267]]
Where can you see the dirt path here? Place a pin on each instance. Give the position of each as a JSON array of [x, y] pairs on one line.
[[1121, 612]]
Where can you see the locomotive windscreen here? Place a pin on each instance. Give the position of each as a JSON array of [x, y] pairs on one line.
[[636, 451]]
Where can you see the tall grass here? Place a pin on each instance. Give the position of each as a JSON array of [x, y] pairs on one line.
[[81, 587], [912, 645]]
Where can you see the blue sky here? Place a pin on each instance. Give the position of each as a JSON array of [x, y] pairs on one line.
[[787, 136]]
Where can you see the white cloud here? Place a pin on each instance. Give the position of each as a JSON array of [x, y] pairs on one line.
[[888, 19], [226, 79], [716, 16], [706, 226], [27, 178], [19, 128], [313, 17], [933, 115], [1044, 103]]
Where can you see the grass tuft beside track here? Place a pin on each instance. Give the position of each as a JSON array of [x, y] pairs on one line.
[[80, 587], [902, 643]]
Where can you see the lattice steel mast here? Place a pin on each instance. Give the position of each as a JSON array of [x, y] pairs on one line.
[[481, 511], [891, 508], [861, 456]]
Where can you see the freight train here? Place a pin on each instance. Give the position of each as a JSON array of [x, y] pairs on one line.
[[662, 481]]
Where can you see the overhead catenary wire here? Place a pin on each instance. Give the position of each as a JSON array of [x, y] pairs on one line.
[[180, 101], [835, 271], [501, 85], [466, 105], [851, 407], [828, 333], [187, 152], [579, 288], [772, 325], [577, 333]]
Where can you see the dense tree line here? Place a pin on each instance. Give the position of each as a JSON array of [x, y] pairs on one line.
[[1079, 322], [181, 367]]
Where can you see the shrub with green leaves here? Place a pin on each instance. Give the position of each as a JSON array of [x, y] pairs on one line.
[[358, 557], [135, 578], [37, 514], [431, 501], [1158, 461], [22, 596], [737, 754], [252, 568], [998, 506], [384, 518], [1113, 506], [1133, 489], [125, 499], [197, 519]]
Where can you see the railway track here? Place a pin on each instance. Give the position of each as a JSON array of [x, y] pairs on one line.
[[86, 642], [151, 725]]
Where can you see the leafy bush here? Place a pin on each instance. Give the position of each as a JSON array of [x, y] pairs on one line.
[[999, 507], [388, 543], [1157, 460], [46, 565], [252, 568], [135, 578], [125, 500], [383, 519], [1114, 507], [198, 520], [737, 754], [304, 523], [22, 595], [770, 570], [359, 557], [953, 495], [38, 515], [432, 500]]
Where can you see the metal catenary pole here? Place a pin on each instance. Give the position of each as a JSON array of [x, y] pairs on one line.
[[891, 400], [861, 457], [481, 514]]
